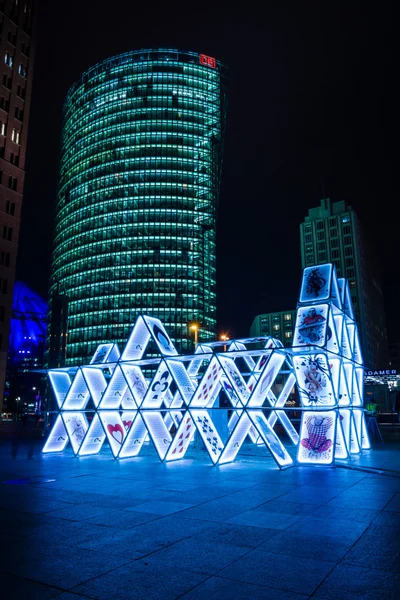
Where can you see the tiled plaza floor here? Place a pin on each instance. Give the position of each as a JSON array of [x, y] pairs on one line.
[[113, 530]]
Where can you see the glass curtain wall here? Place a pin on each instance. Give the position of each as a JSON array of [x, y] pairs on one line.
[[137, 204]]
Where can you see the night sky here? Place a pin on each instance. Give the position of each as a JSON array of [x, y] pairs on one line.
[[311, 91]]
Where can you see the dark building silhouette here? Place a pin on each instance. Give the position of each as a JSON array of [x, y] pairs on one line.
[[16, 69], [333, 233]]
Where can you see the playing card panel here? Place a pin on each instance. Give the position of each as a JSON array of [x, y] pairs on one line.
[[94, 439], [341, 451], [158, 387], [271, 440], [317, 437], [208, 433], [160, 336], [182, 439], [137, 385], [57, 438], [316, 283], [236, 439], [345, 421], [185, 385], [335, 295], [344, 394], [354, 440], [60, 382], [247, 358], [266, 380], [115, 390], [96, 383], [286, 424], [134, 439], [76, 425], [229, 391], [314, 383], [346, 346], [207, 385], [360, 425], [114, 355], [78, 394], [114, 429], [235, 378], [137, 342], [359, 377], [311, 326], [332, 339], [101, 354], [349, 371], [158, 432]]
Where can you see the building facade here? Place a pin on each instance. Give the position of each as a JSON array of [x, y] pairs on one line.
[[16, 70], [136, 212], [333, 233], [279, 325]]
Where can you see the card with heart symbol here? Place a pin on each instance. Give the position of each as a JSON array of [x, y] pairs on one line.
[[114, 429]]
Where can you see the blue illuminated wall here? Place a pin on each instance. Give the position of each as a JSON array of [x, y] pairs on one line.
[[28, 323]]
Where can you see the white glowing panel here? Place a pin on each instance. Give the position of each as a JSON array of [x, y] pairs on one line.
[[58, 437], [182, 439], [230, 391], [185, 385], [138, 340], [78, 394], [247, 358], [208, 433], [134, 439], [349, 371], [361, 428], [262, 360], [346, 346], [96, 383], [341, 451], [344, 395], [207, 384], [344, 418], [158, 387], [332, 343], [316, 283], [359, 376], [354, 440], [236, 439], [313, 380], [60, 382], [311, 326], [76, 425], [284, 419], [252, 433], [266, 380], [101, 354], [137, 385], [271, 440], [94, 439], [317, 437], [159, 434], [160, 337], [235, 378], [114, 429]]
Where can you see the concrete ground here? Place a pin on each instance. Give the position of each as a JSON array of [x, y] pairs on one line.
[[74, 528]]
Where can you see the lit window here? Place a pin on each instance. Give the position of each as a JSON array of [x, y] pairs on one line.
[[2, 129], [276, 327], [22, 70], [288, 334], [8, 59], [15, 136], [346, 219], [287, 317]]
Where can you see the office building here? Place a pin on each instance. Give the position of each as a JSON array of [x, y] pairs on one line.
[[333, 233], [278, 325], [136, 213], [16, 69]]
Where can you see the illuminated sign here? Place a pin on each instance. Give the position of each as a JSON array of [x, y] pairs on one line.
[[208, 61], [380, 372]]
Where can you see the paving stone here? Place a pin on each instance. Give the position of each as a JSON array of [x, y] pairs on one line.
[[350, 581]]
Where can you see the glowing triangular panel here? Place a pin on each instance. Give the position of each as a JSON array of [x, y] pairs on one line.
[[335, 291], [158, 387], [347, 304], [271, 440], [160, 336], [279, 414], [185, 385], [242, 428], [235, 378], [354, 441], [60, 382], [114, 429], [358, 386], [317, 437], [332, 343], [137, 386], [159, 434], [341, 451], [116, 390], [344, 394], [96, 383], [361, 428], [267, 377], [134, 439], [182, 439], [58, 437], [208, 384], [208, 433], [316, 284], [138, 340], [78, 394], [346, 346], [238, 346], [114, 355], [76, 425], [345, 421], [101, 354], [94, 438]]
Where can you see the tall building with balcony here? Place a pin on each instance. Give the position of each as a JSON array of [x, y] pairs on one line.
[[278, 325], [136, 213], [17, 43], [332, 232]]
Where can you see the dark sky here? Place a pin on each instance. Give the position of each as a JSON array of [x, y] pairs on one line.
[[311, 91]]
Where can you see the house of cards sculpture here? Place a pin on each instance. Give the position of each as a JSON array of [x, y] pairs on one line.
[[150, 394]]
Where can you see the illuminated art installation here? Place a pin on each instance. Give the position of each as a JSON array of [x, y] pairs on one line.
[[226, 397]]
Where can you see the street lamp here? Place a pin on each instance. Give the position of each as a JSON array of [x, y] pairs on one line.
[[224, 338], [195, 328]]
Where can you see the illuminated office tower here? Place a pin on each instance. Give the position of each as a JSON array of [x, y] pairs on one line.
[[140, 172]]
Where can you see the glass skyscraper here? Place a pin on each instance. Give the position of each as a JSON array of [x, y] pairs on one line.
[[140, 172]]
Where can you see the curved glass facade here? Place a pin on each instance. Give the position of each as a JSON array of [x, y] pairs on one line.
[[136, 211]]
